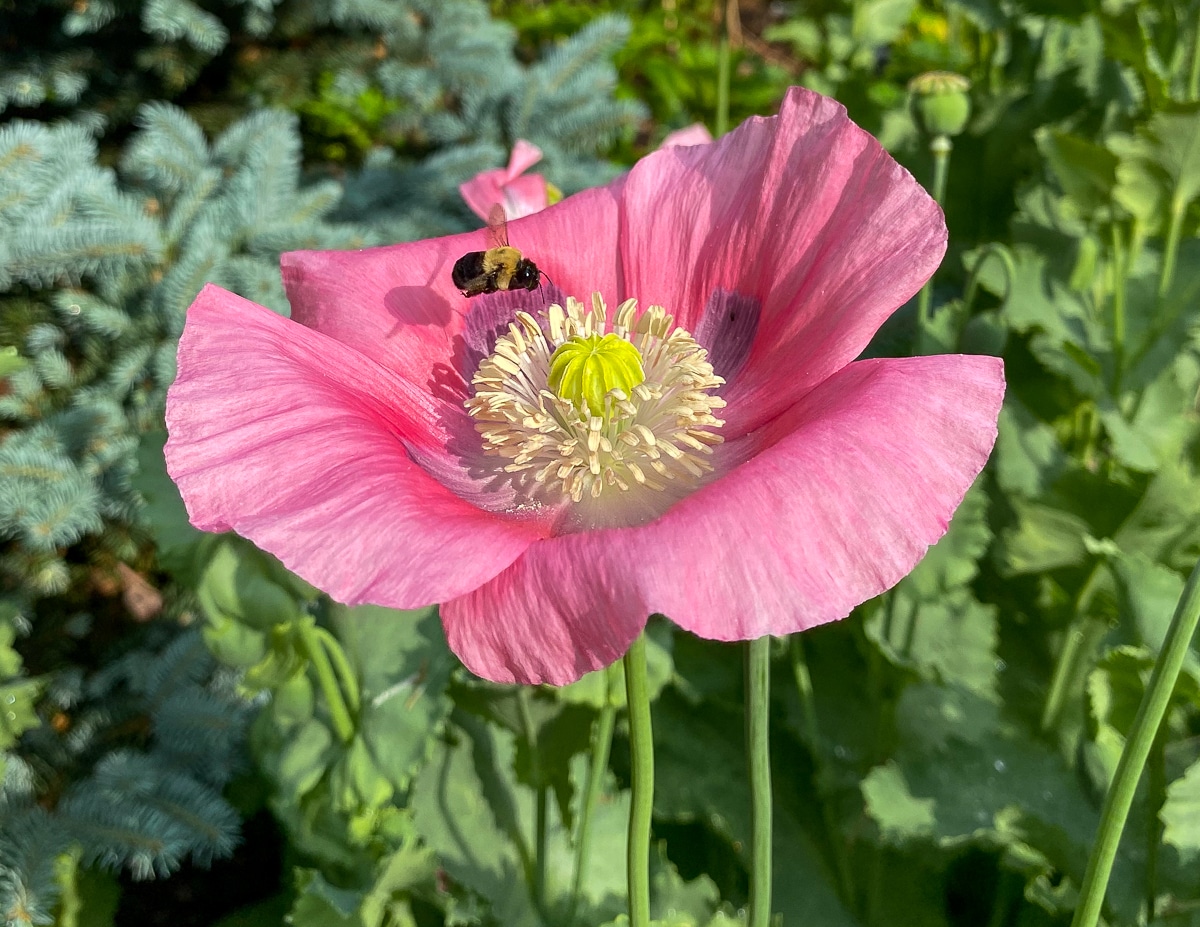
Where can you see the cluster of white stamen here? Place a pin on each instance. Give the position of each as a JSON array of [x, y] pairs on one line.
[[662, 432]]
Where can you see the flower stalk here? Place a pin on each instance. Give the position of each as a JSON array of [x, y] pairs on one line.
[[940, 148], [641, 740], [318, 657], [1137, 751], [758, 744]]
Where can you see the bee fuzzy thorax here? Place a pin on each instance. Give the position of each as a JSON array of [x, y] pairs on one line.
[[501, 267]]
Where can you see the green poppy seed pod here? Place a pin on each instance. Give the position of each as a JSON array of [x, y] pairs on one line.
[[940, 102], [584, 369]]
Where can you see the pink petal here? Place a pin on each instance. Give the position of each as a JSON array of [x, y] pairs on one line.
[[804, 213], [524, 196], [397, 305], [555, 614], [302, 445], [845, 493], [695, 134], [483, 191], [834, 505], [520, 196], [524, 156]]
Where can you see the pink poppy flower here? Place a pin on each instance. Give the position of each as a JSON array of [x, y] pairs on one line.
[[695, 134], [553, 470], [521, 194]]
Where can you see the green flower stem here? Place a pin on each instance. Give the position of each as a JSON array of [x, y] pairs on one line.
[[1081, 634], [1193, 86], [1120, 265], [641, 740], [1171, 248], [1137, 750], [341, 665], [940, 148], [1010, 273], [758, 745], [812, 730], [535, 770], [602, 733], [318, 657]]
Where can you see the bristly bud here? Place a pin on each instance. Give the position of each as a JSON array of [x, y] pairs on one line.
[[940, 102]]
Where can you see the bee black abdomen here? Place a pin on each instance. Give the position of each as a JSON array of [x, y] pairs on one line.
[[468, 268]]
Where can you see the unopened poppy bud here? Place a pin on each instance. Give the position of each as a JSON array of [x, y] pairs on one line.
[[940, 102]]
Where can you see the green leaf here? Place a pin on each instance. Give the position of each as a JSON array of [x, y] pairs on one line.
[[465, 806], [1086, 171], [304, 758], [1175, 141], [319, 904], [180, 547], [992, 784], [592, 689], [952, 639], [1165, 524], [408, 869], [18, 709], [953, 561], [1141, 189], [1044, 539], [1148, 593], [1028, 457], [701, 776], [355, 782], [1180, 814], [879, 22], [901, 816], [403, 667], [11, 361]]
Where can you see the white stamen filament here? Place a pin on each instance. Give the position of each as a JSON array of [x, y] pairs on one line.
[[662, 431]]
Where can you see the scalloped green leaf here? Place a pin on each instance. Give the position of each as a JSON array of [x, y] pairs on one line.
[[1180, 814], [403, 666]]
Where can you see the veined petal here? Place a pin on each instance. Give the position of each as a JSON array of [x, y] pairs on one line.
[[804, 213], [398, 306], [844, 494], [838, 504], [302, 445], [520, 196], [558, 612]]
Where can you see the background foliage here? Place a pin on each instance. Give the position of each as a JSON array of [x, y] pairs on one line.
[[940, 757]]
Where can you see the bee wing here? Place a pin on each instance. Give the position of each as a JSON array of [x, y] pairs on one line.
[[498, 226]]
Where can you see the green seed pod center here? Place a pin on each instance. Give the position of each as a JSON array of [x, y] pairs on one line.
[[584, 369]]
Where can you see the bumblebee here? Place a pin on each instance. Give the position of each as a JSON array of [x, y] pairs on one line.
[[501, 267]]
